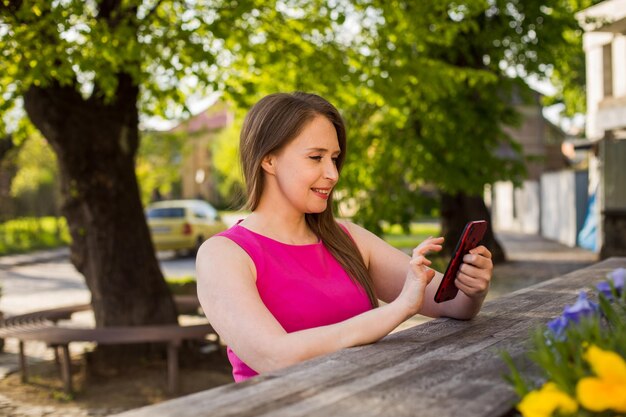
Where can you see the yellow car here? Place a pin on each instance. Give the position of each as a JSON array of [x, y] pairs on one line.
[[182, 225]]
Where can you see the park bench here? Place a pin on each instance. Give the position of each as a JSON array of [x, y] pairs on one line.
[[43, 326], [440, 368]]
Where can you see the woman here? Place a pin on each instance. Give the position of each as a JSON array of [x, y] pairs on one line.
[[289, 283]]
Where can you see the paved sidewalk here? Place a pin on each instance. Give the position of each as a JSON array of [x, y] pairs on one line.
[[11, 261], [532, 259]]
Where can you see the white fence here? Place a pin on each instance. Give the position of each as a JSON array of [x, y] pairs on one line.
[[516, 209], [555, 206]]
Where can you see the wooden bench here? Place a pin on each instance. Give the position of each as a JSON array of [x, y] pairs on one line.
[[441, 368], [43, 326]]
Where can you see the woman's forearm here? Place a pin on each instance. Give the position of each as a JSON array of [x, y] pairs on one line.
[[362, 329], [464, 307]]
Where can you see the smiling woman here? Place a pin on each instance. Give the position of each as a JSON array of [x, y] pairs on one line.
[[305, 170], [289, 282]]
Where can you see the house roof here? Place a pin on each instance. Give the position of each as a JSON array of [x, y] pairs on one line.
[[215, 117], [607, 16]]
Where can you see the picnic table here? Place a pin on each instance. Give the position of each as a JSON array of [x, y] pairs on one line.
[[441, 368], [43, 326]]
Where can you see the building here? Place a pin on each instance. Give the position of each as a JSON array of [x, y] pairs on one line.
[[519, 209], [198, 179], [604, 43]]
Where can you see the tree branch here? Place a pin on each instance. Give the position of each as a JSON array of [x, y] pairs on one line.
[[6, 144], [106, 8]]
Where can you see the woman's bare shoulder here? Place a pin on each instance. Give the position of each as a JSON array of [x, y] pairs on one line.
[[220, 254]]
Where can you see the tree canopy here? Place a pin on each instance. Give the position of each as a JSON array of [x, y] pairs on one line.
[[424, 86], [447, 76]]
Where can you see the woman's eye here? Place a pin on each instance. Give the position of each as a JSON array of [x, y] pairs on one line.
[[335, 160], [316, 158]]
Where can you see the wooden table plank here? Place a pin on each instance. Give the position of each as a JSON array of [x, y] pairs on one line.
[[441, 368]]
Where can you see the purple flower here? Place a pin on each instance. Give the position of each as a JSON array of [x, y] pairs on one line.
[[582, 307], [558, 326], [617, 277]]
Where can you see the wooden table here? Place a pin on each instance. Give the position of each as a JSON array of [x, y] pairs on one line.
[[441, 368]]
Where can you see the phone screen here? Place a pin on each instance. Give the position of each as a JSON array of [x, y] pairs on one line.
[[470, 238]]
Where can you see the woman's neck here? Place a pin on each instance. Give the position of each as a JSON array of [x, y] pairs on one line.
[[284, 227]]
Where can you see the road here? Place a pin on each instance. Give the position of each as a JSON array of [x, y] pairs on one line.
[[56, 283], [51, 284], [532, 259]]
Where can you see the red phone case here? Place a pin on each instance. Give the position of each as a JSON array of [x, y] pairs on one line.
[[470, 238]]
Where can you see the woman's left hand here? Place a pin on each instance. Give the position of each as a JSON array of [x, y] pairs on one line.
[[475, 273]]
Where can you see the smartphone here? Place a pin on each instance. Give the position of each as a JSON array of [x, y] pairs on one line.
[[470, 238]]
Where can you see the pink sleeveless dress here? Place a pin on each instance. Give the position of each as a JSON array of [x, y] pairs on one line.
[[303, 286]]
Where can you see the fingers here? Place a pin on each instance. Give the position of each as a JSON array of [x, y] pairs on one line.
[[472, 285], [481, 250], [475, 272], [432, 244], [471, 288], [479, 257], [419, 260], [419, 263], [420, 269]]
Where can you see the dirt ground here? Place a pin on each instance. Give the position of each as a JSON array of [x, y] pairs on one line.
[[103, 395]]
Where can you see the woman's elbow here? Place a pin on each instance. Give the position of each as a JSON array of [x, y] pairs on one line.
[[463, 314], [466, 316], [273, 358]]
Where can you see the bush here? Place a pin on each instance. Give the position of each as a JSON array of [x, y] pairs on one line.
[[30, 233], [182, 286]]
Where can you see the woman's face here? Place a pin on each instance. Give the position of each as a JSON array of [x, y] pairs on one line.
[[305, 169]]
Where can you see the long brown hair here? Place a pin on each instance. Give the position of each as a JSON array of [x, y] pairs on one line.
[[272, 123]]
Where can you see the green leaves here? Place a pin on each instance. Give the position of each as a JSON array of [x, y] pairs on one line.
[[159, 163], [37, 166], [167, 47], [426, 87], [442, 80]]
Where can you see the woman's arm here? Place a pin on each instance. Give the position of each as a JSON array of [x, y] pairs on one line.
[[229, 297], [388, 265]]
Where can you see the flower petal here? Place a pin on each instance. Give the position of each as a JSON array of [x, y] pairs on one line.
[[608, 365], [618, 276], [591, 392], [532, 405], [596, 394], [547, 400], [604, 288], [582, 307], [558, 325]]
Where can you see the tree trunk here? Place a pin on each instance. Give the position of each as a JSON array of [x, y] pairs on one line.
[[456, 211], [96, 142]]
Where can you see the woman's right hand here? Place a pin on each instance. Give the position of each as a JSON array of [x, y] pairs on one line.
[[418, 276]]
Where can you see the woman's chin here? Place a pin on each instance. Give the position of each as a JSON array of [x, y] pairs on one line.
[[316, 210]]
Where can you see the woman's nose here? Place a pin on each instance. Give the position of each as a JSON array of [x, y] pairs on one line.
[[331, 172]]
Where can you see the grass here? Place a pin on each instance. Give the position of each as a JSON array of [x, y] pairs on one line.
[[419, 231], [396, 237], [182, 285], [30, 233]]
